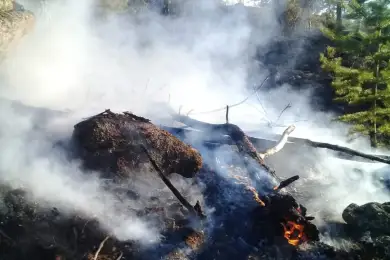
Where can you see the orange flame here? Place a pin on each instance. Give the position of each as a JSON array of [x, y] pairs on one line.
[[276, 187], [255, 195], [293, 232], [244, 181]]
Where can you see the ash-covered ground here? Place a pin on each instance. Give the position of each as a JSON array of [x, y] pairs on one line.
[[196, 61]]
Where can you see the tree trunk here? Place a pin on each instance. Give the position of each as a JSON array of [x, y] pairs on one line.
[[338, 15], [374, 139]]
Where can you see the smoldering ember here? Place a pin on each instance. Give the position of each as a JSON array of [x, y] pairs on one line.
[[144, 190]]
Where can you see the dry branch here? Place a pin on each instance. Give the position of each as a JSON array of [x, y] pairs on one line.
[[120, 256], [2, 233], [100, 247], [279, 145], [196, 211], [378, 158]]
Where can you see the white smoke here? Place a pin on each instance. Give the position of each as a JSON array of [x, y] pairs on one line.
[[198, 61]]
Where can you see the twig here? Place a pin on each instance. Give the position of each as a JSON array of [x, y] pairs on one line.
[[227, 114], [180, 109], [234, 105], [120, 256], [279, 145], [85, 225], [284, 110], [100, 247], [6, 236], [167, 182]]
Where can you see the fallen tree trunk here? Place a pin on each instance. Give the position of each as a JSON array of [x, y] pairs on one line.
[[238, 137], [341, 151]]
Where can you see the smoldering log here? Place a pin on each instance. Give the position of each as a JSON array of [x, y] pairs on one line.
[[286, 182], [281, 211], [238, 137], [110, 143]]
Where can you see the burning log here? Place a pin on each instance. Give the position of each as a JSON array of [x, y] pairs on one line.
[[287, 218], [111, 142]]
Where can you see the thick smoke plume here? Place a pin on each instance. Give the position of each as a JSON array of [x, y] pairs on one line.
[[201, 60]]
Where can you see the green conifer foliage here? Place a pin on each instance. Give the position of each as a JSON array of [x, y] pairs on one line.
[[359, 63]]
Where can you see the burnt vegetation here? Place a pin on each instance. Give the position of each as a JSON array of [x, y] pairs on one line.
[[266, 223], [264, 220]]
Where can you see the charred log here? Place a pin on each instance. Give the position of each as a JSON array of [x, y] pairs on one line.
[[111, 142], [286, 218], [286, 182], [238, 137]]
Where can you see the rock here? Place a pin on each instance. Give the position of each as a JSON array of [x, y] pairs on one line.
[[114, 5], [373, 217], [6, 5], [13, 26], [111, 142], [382, 247], [319, 250]]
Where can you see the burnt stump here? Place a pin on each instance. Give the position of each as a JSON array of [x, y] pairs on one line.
[[112, 144]]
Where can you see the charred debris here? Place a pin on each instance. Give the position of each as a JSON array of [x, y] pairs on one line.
[[123, 147]]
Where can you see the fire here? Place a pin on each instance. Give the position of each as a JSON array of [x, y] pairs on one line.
[[244, 181], [255, 195], [293, 232]]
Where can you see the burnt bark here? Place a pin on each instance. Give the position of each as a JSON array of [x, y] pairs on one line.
[[238, 137]]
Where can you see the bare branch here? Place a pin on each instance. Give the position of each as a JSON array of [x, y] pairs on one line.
[[284, 110], [2, 233], [100, 247], [279, 145], [120, 256]]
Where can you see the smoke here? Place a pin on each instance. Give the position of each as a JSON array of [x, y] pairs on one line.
[[198, 61]]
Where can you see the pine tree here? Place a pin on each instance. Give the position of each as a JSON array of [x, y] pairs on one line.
[[359, 63]]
